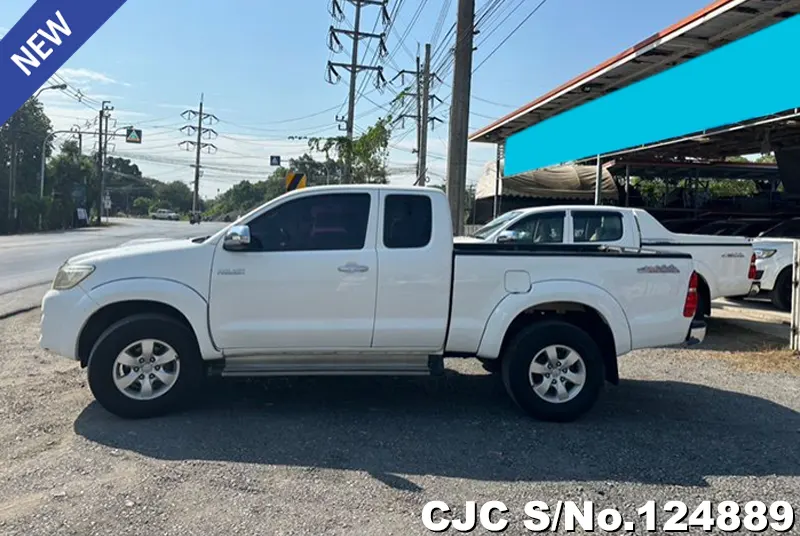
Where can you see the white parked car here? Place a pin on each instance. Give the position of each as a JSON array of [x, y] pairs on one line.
[[164, 214], [725, 264], [774, 251], [362, 279]]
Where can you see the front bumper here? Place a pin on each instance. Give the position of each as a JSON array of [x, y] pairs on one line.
[[697, 333], [64, 313]]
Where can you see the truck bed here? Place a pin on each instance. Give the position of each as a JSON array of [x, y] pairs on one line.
[[636, 292]]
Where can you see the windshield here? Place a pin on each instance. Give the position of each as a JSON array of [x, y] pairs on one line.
[[787, 229], [495, 224]]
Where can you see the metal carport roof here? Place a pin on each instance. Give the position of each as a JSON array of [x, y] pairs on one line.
[[716, 25]]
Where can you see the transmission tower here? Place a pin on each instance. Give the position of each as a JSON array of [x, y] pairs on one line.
[[198, 144], [422, 82], [354, 67]]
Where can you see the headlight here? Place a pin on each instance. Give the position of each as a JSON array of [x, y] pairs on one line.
[[70, 275], [764, 253]]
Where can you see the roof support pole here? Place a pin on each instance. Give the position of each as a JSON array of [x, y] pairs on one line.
[[598, 181], [496, 207], [627, 184]]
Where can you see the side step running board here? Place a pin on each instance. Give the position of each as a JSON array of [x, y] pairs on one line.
[[330, 365]]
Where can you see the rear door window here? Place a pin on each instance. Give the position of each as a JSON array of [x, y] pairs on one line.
[[407, 221], [596, 226]]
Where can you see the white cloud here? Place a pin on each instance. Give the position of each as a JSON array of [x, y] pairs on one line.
[[84, 76], [175, 106]]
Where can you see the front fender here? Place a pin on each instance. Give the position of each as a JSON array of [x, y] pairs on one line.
[[167, 291], [555, 291]]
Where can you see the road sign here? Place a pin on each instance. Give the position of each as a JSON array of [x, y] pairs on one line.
[[133, 135], [274, 160], [295, 181]]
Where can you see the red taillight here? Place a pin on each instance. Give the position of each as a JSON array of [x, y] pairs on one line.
[[751, 273], [690, 305]]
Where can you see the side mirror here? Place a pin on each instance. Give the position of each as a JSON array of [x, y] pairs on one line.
[[237, 238], [506, 236]]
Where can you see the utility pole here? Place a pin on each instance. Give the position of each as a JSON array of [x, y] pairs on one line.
[[354, 67], [459, 114], [422, 175], [105, 159], [102, 142], [199, 145], [12, 183], [423, 81], [420, 98]]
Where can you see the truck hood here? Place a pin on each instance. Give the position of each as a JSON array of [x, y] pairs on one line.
[[143, 241], [466, 240], [179, 260]]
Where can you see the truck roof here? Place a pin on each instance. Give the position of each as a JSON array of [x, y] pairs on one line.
[[383, 187]]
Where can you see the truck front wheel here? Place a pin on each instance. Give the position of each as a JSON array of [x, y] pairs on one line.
[[553, 370], [145, 365]]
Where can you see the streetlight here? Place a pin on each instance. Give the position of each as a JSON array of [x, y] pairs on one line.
[[57, 86]]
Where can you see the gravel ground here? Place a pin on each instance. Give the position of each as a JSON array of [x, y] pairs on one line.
[[362, 456]]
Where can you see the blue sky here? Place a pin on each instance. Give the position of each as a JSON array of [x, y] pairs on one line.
[[261, 65]]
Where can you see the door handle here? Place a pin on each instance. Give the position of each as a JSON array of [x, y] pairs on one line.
[[352, 268]]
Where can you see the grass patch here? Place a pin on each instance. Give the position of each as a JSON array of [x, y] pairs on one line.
[[768, 359]]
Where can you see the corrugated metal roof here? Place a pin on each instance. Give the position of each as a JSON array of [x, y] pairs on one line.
[[714, 26]]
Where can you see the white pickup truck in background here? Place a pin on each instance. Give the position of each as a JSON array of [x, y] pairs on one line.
[[774, 253], [164, 214], [724, 264], [346, 280]]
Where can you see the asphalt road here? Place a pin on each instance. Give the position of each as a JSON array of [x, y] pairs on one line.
[[28, 262]]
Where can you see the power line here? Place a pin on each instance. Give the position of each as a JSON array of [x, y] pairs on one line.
[[522, 22]]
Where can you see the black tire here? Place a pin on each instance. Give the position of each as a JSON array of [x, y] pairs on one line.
[[127, 331], [703, 307], [490, 365], [522, 350], [781, 295]]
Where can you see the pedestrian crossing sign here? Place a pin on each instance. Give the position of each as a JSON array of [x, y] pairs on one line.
[[133, 135]]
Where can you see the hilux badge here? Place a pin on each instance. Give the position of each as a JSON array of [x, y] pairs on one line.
[[231, 271]]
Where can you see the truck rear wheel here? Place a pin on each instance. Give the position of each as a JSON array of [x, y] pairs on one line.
[[145, 365], [781, 295], [553, 370]]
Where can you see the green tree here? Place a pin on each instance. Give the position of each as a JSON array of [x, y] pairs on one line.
[[141, 206], [25, 131], [317, 172], [66, 180], [369, 152], [174, 195]]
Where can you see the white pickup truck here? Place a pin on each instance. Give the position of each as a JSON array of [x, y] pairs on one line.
[[164, 214], [774, 252], [342, 280], [725, 264]]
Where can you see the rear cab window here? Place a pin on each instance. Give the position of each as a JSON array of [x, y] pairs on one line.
[[407, 221], [596, 226]]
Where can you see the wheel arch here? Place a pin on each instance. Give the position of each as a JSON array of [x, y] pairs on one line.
[[705, 293], [122, 298], [597, 313]]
